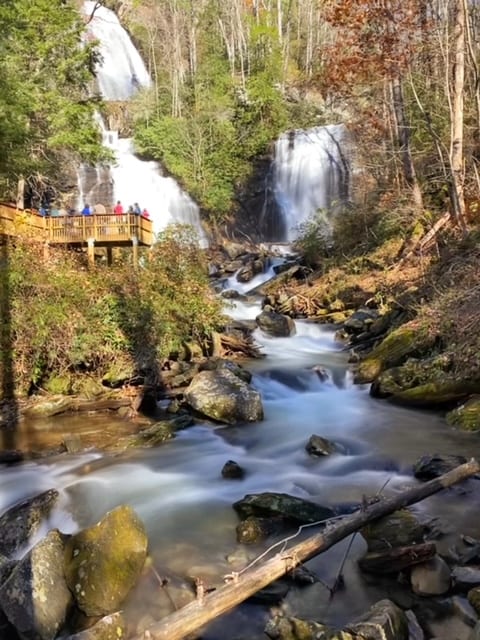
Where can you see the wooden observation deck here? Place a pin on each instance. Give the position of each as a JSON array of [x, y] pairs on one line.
[[77, 231]]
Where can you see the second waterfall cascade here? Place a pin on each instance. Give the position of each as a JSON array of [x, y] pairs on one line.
[[120, 75]]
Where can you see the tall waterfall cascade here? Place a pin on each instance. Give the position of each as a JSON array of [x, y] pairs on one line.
[[310, 173], [120, 75]]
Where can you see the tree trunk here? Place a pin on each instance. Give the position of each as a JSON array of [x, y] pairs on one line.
[[403, 136], [456, 147], [195, 615]]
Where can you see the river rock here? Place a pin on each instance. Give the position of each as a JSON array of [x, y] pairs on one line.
[[465, 578], [282, 628], [23, 520], [156, 434], [41, 408], [103, 562], [415, 631], [398, 529], [233, 249], [429, 467], [289, 507], [252, 529], [275, 324], [397, 558], [467, 416], [384, 621], [223, 396], [409, 340], [111, 627], [431, 578], [318, 446], [35, 598], [474, 598], [232, 470]]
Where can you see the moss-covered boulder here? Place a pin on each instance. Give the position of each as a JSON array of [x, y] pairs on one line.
[[156, 434], [411, 374], [437, 393], [253, 530], [384, 621], [103, 563], [282, 628], [52, 406], [88, 388], [399, 529], [275, 324], [474, 599], [410, 340], [467, 416], [60, 384], [223, 396], [35, 598]]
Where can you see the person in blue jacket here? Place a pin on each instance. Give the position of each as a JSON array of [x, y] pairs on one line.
[[86, 211]]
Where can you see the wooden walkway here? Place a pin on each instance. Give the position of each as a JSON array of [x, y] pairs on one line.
[[109, 230]]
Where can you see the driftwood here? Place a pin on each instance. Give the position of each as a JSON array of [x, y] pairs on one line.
[[208, 607]]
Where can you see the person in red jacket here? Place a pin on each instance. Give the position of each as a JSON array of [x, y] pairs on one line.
[[118, 208]]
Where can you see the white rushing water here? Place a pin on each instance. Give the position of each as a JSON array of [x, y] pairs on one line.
[[120, 75], [310, 174]]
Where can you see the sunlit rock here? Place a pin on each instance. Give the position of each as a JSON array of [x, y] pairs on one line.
[[103, 563], [35, 598], [223, 396], [23, 520]]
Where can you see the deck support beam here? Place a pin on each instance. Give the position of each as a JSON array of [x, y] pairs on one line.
[[109, 256], [91, 251], [135, 251]]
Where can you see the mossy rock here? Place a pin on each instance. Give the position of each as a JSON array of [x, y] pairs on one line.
[[466, 417], [409, 340], [88, 388], [296, 629], [436, 394], [108, 628], [474, 599], [411, 374], [118, 374], [103, 562], [400, 529], [59, 384]]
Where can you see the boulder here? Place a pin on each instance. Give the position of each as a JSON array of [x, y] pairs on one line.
[[223, 396], [232, 470], [397, 558], [233, 249], [409, 340], [282, 628], [384, 621], [23, 520], [35, 598], [156, 434], [289, 507], [275, 324], [466, 578], [399, 529], [437, 393], [318, 446], [467, 416], [433, 466], [474, 599], [103, 562], [431, 578], [45, 408], [111, 627], [254, 529]]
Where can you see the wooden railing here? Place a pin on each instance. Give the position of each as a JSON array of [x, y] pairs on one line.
[[105, 229], [108, 229]]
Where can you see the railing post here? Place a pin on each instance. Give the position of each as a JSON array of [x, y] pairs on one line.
[[91, 251]]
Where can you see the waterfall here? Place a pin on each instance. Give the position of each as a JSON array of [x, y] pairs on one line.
[[120, 75], [310, 173]]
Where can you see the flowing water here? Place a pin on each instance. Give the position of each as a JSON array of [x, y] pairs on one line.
[[186, 505]]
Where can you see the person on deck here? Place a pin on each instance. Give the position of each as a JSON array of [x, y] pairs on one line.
[[118, 209], [145, 214], [136, 209], [86, 211], [99, 209]]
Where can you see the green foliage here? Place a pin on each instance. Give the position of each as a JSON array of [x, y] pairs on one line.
[[64, 317], [45, 106]]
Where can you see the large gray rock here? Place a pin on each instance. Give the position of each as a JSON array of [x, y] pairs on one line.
[[35, 598], [265, 505], [275, 324], [223, 396], [22, 521], [384, 621], [432, 466], [399, 529], [103, 563], [431, 578]]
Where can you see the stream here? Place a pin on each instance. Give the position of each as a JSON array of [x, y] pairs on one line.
[[178, 491]]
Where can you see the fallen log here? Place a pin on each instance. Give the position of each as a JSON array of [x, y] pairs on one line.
[[208, 607]]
